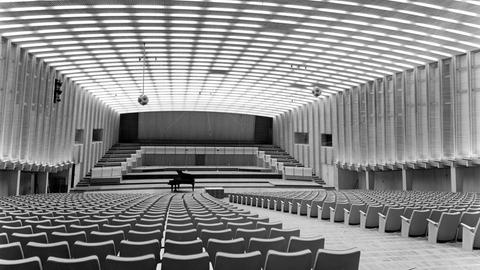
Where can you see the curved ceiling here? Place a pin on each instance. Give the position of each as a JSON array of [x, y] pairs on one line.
[[253, 57]]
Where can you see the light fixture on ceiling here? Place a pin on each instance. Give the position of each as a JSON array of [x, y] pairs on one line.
[[143, 99]]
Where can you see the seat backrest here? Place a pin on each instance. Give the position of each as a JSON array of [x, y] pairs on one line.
[[69, 237], [101, 249], [286, 233], [247, 234], [116, 236], [85, 263], [238, 261], [269, 226], [211, 226], [135, 249], [337, 259], [50, 229], [145, 262], [141, 227], [436, 213], [144, 236], [3, 238], [43, 251], [205, 235], [183, 247], [32, 263], [114, 228], [12, 251], [447, 226], [237, 225], [187, 235], [85, 228], [311, 243], [191, 262], [14, 229], [264, 245], [299, 260], [25, 238], [180, 227], [228, 246]]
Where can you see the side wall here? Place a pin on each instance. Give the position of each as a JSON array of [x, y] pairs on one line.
[[418, 129], [37, 134], [314, 118]]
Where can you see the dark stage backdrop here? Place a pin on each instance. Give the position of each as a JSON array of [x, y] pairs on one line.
[[195, 127]]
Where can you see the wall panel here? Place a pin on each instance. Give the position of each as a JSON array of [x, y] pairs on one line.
[[33, 129]]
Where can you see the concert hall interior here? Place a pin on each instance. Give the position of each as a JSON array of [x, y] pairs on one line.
[[239, 134]]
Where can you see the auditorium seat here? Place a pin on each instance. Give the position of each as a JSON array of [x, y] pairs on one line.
[[229, 246], [20, 229], [191, 262], [10, 223], [116, 236], [285, 233], [269, 226], [114, 228], [118, 221], [85, 263], [264, 245], [134, 249], [179, 220], [98, 222], [211, 226], [468, 218], [311, 243], [43, 251], [187, 235], [324, 210], [23, 238], [12, 251], [35, 223], [180, 227], [50, 229], [337, 213], [445, 230], [183, 247], [337, 259], [69, 237], [238, 261], [369, 219], [100, 249], [205, 235], [145, 262], [144, 236], [88, 229], [299, 260], [391, 221], [3, 238], [255, 220], [416, 225], [470, 236], [352, 215], [247, 234], [210, 220], [32, 263], [67, 223], [152, 220]]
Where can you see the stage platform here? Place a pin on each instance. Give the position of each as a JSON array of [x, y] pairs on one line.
[[228, 183], [200, 168]]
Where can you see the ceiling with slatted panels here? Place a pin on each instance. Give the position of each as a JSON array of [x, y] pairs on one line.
[[251, 57]]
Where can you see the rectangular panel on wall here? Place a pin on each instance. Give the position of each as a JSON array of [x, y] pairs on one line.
[[476, 102], [434, 120], [410, 116], [462, 107], [328, 116], [363, 141], [380, 127], [389, 120], [355, 126], [348, 126], [422, 114], [371, 112], [341, 127], [399, 118], [447, 109]]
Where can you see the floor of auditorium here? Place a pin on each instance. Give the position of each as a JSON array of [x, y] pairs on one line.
[[380, 251]]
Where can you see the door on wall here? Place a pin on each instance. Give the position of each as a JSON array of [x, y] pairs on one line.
[[199, 160], [58, 185]]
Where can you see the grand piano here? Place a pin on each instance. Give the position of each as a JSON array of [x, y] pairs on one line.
[[181, 178]]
